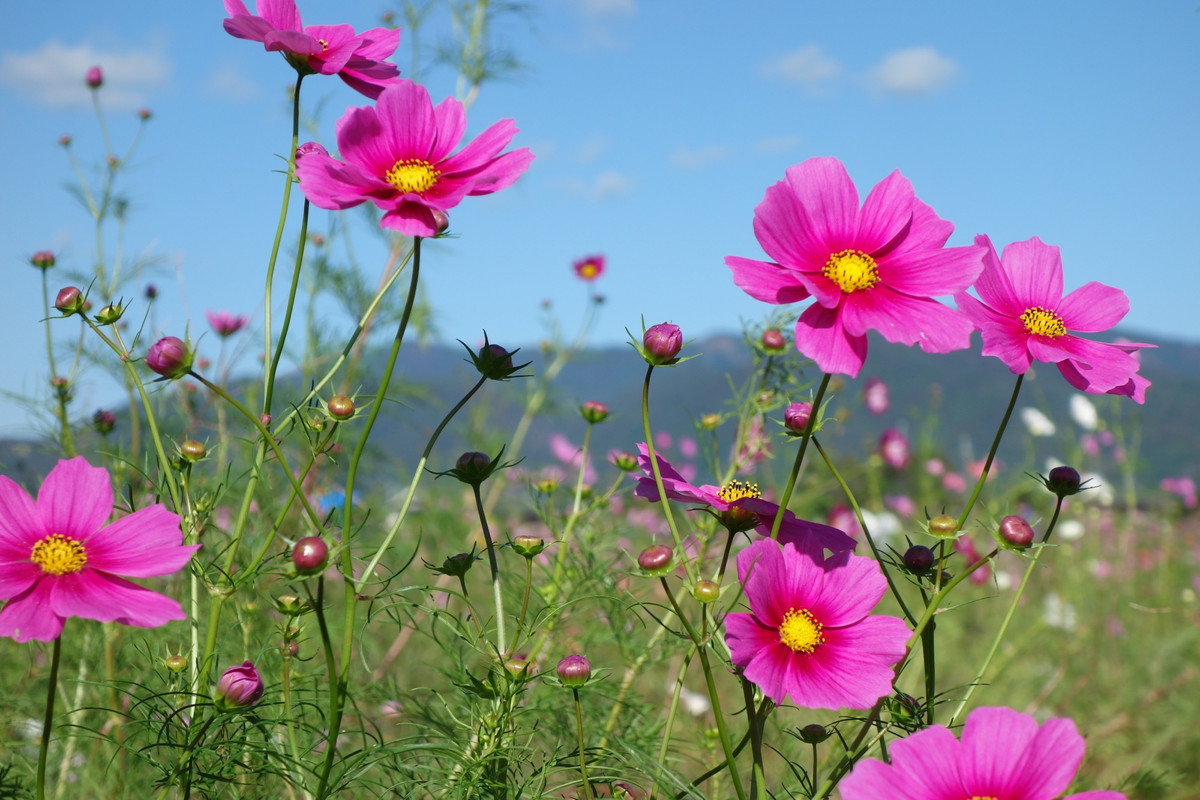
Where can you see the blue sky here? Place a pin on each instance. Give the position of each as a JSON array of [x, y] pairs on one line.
[[657, 128]]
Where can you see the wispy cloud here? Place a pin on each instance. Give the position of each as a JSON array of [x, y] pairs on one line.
[[592, 149], [229, 83], [600, 18], [808, 67], [777, 144], [914, 71], [609, 183], [699, 157], [53, 75]]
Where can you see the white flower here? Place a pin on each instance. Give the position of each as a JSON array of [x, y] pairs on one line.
[[1069, 530], [1084, 413], [1037, 423], [1058, 614]]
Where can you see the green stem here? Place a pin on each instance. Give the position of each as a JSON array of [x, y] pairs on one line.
[[587, 787], [754, 726], [991, 456], [647, 432], [804, 439], [497, 595], [48, 719]]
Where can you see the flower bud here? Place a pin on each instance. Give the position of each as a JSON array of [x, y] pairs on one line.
[[1014, 532], [340, 407], [546, 486], [456, 565], [494, 362], [151, 291], [441, 222], [661, 344], [308, 555], [773, 341], [64, 140], [94, 78], [193, 450], [62, 388], [624, 461], [918, 558], [170, 357], [943, 526], [144, 114], [69, 300], [520, 666], [574, 671], [175, 663], [1063, 481], [110, 314], [706, 591], [473, 468], [290, 605], [239, 687], [656, 560], [796, 417], [104, 421], [528, 545], [43, 259], [814, 733], [710, 422], [594, 411]]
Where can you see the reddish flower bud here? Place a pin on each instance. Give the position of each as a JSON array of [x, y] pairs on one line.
[[239, 687], [144, 114], [308, 555], [104, 421], [624, 461], [656, 559], [1015, 532], [574, 670], [42, 259], [69, 300], [1064, 481], [170, 357], [661, 344], [441, 222], [796, 417], [94, 78], [814, 733], [151, 291], [594, 411], [340, 407], [773, 340], [64, 141]]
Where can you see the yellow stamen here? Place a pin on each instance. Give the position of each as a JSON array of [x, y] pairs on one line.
[[1043, 322], [58, 554], [852, 270], [982, 797], [736, 490], [588, 270], [412, 175], [324, 44], [800, 631]]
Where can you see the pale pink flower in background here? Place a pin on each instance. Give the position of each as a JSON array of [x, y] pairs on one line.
[[965, 547], [875, 396], [954, 482], [225, 323], [568, 453], [1184, 487], [893, 447], [688, 447], [901, 504], [935, 467]]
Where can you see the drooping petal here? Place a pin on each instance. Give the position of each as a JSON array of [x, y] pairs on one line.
[[1103, 365], [30, 616], [410, 219], [75, 499], [1035, 270], [148, 542], [92, 594], [1093, 307], [821, 336], [765, 281]]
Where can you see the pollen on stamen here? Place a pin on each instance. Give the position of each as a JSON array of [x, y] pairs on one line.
[[852, 270], [800, 631], [414, 175], [57, 554], [737, 490], [1040, 321]]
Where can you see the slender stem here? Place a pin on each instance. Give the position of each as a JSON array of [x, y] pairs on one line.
[[754, 726], [587, 787], [672, 710], [715, 770], [647, 431], [497, 595], [48, 719], [991, 456], [804, 438]]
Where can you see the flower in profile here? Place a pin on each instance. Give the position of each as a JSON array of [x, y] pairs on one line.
[[589, 268], [740, 506], [226, 324], [808, 636], [325, 49], [397, 155], [58, 559], [239, 687], [170, 357], [1003, 754], [877, 267], [1024, 317]]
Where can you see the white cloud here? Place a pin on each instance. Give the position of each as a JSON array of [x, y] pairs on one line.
[[230, 83], [608, 8], [602, 28], [610, 184], [700, 157], [54, 74], [917, 70], [807, 67], [777, 144], [592, 149]]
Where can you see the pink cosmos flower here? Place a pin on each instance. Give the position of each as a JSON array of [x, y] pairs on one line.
[[589, 268], [893, 446], [1003, 753], [397, 155], [58, 559], [877, 267], [741, 506], [808, 636], [875, 395], [226, 324], [325, 49], [1024, 317]]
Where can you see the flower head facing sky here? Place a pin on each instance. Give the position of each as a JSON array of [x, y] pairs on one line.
[[225, 323], [398, 155], [1002, 754], [809, 636], [1024, 317], [740, 506], [58, 559], [322, 49], [877, 267]]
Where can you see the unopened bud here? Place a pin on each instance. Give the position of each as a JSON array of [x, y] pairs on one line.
[[661, 344], [43, 259], [175, 663], [94, 78], [110, 314], [594, 411], [574, 671], [706, 591], [918, 558], [1064, 481], [796, 417], [193, 450], [656, 560], [773, 340], [170, 357], [104, 421], [309, 554], [943, 526], [624, 461], [528, 545], [814, 733], [69, 300], [340, 407], [710, 422], [1015, 532]]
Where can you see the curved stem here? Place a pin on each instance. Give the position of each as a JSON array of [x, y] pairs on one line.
[[804, 439], [991, 456], [48, 719], [497, 595], [658, 481]]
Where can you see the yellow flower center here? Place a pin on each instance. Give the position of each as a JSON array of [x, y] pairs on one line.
[[736, 490], [852, 270], [1043, 322], [588, 271], [58, 554], [982, 797], [800, 631], [324, 44], [412, 175]]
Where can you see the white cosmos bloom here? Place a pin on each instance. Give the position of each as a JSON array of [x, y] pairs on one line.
[[1037, 423], [1084, 412]]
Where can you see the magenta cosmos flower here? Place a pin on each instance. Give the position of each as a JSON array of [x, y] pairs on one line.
[[589, 268], [325, 49], [58, 559], [1024, 317], [225, 323], [740, 506], [808, 636], [1003, 754], [397, 155], [877, 267]]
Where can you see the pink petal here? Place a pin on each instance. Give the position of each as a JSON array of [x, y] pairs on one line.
[[1035, 269], [853, 667], [332, 184], [408, 120], [450, 123], [765, 281], [296, 42], [282, 14], [924, 765], [20, 527], [75, 499], [988, 768], [378, 44], [29, 616], [758, 650], [362, 142], [821, 336], [148, 542], [830, 201], [852, 586], [927, 231], [886, 214], [1093, 307], [410, 218], [906, 320], [499, 173], [993, 284], [929, 273], [1103, 365], [92, 594], [337, 43], [243, 26], [16, 577]]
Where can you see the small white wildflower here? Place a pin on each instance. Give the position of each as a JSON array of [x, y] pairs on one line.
[[1037, 423], [1084, 413]]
